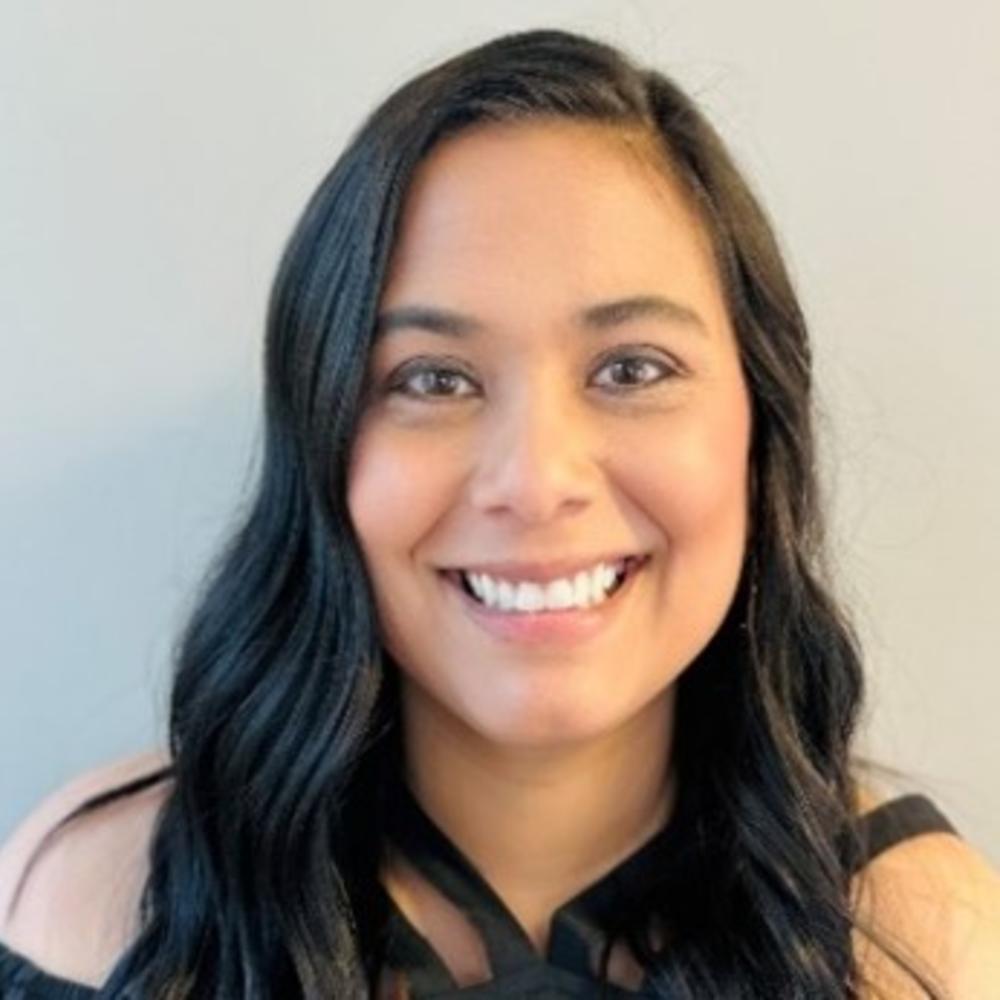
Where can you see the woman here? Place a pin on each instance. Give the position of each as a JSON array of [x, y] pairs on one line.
[[521, 677]]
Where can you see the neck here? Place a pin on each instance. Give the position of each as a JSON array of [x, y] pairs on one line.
[[541, 824]]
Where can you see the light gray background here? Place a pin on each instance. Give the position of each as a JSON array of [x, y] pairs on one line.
[[154, 156]]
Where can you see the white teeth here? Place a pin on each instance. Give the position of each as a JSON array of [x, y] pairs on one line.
[[586, 589]]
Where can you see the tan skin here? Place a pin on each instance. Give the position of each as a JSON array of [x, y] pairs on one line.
[[549, 765], [545, 766]]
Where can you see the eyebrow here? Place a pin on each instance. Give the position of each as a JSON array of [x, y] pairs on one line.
[[598, 317]]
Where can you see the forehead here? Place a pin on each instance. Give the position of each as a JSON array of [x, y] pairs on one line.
[[545, 213]]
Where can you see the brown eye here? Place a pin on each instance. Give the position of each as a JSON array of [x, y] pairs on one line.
[[633, 371], [430, 381]]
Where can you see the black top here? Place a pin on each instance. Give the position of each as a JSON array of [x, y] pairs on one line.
[[578, 928]]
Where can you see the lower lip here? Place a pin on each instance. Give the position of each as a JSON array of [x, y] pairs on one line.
[[566, 626]]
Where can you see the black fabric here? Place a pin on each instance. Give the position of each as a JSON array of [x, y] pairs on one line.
[[577, 930], [21, 979], [578, 927], [899, 819]]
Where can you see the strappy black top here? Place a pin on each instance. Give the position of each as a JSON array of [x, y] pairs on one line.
[[578, 927]]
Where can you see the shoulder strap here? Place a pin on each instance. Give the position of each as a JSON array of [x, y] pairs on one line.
[[22, 979], [896, 820]]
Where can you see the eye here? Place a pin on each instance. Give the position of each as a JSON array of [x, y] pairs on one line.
[[635, 371], [429, 380]]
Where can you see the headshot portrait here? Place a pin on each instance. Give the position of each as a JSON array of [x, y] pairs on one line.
[[501, 504]]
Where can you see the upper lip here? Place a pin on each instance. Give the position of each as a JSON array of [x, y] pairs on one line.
[[543, 570]]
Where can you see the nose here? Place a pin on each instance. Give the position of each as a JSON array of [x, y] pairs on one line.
[[538, 458]]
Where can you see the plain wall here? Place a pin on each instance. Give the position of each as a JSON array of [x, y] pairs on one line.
[[153, 158]]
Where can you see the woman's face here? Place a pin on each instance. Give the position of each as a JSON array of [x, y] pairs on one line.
[[555, 385]]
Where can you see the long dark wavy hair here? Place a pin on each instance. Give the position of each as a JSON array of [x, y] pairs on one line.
[[283, 706]]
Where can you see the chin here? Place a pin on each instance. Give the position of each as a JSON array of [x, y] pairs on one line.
[[540, 738], [544, 724]]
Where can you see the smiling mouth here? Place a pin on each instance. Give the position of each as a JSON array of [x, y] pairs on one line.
[[629, 568]]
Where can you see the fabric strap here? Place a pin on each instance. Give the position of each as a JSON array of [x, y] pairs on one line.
[[897, 820]]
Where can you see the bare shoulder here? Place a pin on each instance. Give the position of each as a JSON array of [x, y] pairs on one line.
[[936, 898], [75, 912]]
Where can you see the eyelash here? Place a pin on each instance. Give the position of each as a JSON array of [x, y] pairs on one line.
[[399, 382]]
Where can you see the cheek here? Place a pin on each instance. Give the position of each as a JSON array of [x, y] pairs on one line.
[[691, 479], [692, 485], [395, 491]]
